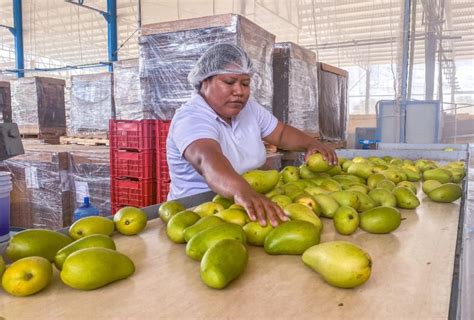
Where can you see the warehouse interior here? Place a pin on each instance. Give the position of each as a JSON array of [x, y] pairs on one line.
[[89, 90]]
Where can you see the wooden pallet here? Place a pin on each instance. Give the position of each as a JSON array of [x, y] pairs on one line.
[[85, 141]]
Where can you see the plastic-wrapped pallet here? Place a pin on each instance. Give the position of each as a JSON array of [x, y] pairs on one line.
[[38, 107], [127, 94], [295, 83], [333, 116], [169, 50], [5, 102], [89, 175], [91, 104]]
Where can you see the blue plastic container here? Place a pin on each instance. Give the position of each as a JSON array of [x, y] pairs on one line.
[[85, 210]]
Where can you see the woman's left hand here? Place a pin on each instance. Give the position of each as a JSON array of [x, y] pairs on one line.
[[328, 152]]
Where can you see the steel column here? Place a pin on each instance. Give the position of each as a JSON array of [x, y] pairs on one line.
[[406, 48], [112, 31], [18, 36]]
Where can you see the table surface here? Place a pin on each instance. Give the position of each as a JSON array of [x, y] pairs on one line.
[[411, 279]]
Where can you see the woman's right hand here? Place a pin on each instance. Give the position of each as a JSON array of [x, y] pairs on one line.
[[260, 208]]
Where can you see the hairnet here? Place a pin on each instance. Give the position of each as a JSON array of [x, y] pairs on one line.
[[221, 58]]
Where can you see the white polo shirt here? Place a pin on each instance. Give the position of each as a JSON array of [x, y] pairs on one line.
[[240, 142]]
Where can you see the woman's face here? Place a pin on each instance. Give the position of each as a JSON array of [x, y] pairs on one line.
[[227, 94]]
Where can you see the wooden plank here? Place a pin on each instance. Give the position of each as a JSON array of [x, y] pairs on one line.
[[333, 69], [85, 141], [411, 279]]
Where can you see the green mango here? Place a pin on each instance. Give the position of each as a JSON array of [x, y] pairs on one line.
[[292, 237], [377, 161], [412, 173], [330, 184], [169, 209], [393, 175], [178, 223], [334, 170], [281, 200], [380, 220], [316, 163], [358, 187], [365, 202], [448, 192], [223, 262], [442, 175], [208, 208], [346, 178], [383, 197], [424, 165], [256, 234], [359, 159], [205, 239], [262, 181], [297, 211], [457, 174], [409, 185], [307, 200], [430, 185], [406, 199], [202, 224], [2, 266], [36, 242], [346, 198], [314, 190], [224, 202], [346, 220], [306, 173], [92, 268], [340, 263], [386, 184], [91, 225], [92, 241], [346, 165], [290, 173], [291, 188], [236, 216], [328, 205], [362, 170], [275, 192]]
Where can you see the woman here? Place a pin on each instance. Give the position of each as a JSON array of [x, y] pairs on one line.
[[217, 135]]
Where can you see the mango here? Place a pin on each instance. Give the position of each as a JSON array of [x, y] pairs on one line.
[[330, 184], [223, 262], [256, 234], [202, 224], [205, 239], [406, 199], [430, 185], [380, 220], [316, 163], [262, 181], [412, 173], [292, 237], [309, 201], [275, 192], [91, 241], [365, 202], [290, 173], [386, 184], [359, 187], [362, 170], [346, 198], [36, 242], [328, 205], [383, 197], [178, 223], [314, 190], [346, 165], [236, 216], [409, 185], [441, 175], [297, 211], [393, 175], [224, 202], [457, 174], [346, 220], [2, 266], [208, 208], [92, 268], [169, 209], [281, 200], [337, 169], [91, 225], [306, 173], [340, 263], [448, 192]]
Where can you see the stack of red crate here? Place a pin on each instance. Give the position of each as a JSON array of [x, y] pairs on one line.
[[132, 163], [162, 171]]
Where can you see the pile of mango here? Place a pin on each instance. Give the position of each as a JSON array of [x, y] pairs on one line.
[[86, 257], [364, 193]]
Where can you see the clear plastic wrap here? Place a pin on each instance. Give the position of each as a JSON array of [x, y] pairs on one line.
[[89, 174], [169, 50], [295, 82], [91, 104], [5, 102], [38, 106], [127, 93], [333, 108]]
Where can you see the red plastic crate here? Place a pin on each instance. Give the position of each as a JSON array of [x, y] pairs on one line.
[[162, 171], [162, 191], [132, 134], [137, 193], [129, 164]]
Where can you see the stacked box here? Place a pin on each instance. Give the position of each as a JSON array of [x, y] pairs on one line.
[[91, 104], [41, 190], [127, 94], [5, 102], [295, 83], [38, 107], [333, 91], [169, 50]]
